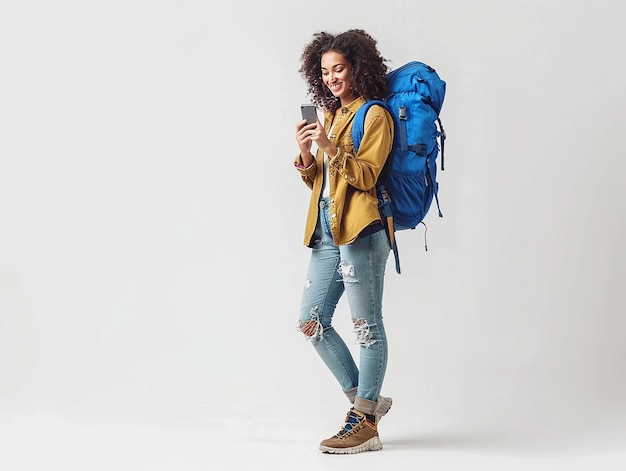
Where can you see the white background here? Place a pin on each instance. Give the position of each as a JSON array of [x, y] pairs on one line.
[[151, 222]]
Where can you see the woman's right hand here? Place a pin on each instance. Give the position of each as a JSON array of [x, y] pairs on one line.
[[304, 133]]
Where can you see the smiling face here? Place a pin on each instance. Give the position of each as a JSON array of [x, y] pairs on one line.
[[336, 76]]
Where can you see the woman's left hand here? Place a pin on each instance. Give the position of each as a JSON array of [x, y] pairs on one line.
[[318, 135]]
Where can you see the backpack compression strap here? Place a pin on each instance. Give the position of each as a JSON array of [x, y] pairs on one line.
[[384, 203], [419, 149]]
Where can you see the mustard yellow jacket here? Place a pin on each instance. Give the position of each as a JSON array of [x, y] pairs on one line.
[[352, 176]]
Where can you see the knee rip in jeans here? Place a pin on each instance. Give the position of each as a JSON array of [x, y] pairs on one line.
[[347, 271], [363, 335], [312, 329]]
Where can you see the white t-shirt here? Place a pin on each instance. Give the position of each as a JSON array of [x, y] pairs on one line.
[[326, 186]]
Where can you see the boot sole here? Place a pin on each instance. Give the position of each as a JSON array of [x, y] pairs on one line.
[[373, 444]]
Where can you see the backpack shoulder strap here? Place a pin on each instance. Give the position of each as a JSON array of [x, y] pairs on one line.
[[358, 125], [358, 129], [384, 200]]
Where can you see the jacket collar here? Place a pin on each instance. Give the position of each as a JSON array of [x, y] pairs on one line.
[[348, 113], [354, 105]]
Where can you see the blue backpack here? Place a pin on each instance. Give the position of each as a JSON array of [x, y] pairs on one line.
[[408, 184]]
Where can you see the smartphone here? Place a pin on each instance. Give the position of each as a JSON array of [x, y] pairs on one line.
[[309, 113]]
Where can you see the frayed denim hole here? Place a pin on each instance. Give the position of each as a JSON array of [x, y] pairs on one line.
[[363, 335], [312, 329], [347, 271]]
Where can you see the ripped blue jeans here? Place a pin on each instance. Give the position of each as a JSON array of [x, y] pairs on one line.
[[358, 269]]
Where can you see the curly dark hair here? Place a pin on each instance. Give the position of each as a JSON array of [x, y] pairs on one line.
[[368, 67]]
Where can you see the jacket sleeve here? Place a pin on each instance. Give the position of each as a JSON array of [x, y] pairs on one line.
[[306, 173], [362, 170]]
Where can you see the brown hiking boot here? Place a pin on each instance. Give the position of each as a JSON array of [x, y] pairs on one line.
[[357, 434]]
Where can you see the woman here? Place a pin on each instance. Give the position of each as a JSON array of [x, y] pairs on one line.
[[343, 227]]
